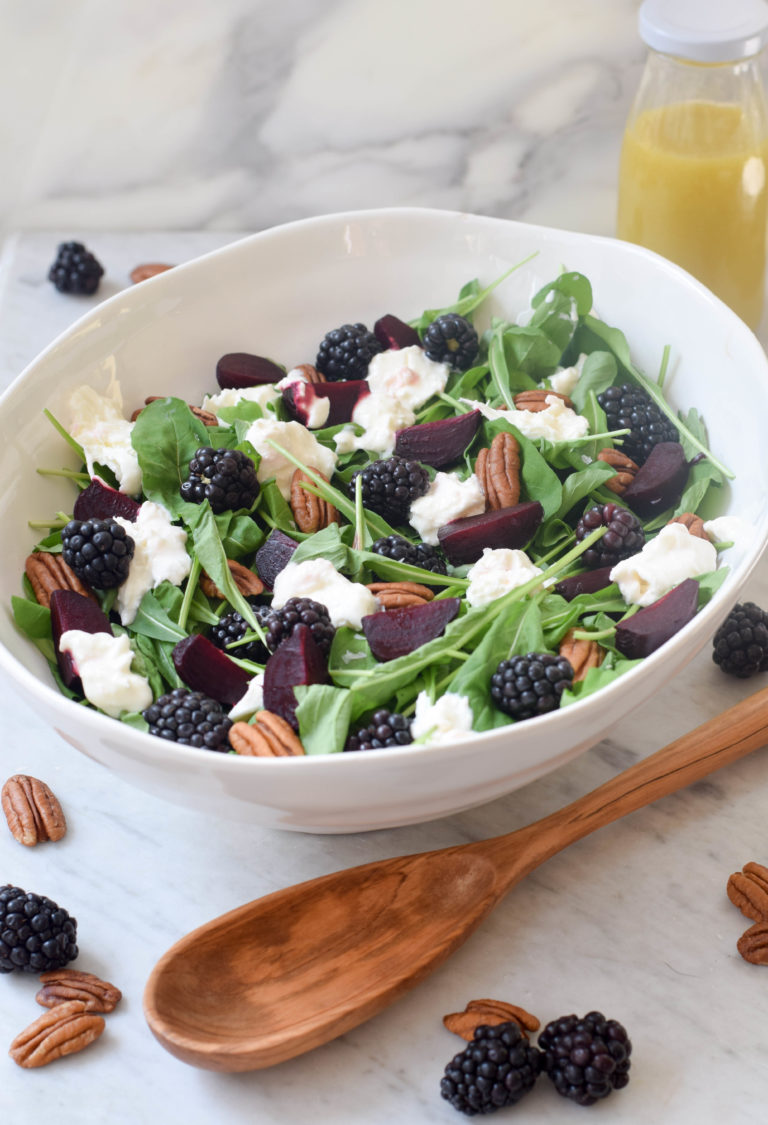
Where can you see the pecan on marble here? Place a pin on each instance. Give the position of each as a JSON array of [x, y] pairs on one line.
[[498, 470], [147, 270], [491, 1013], [47, 573], [311, 513], [748, 890], [753, 944], [625, 470], [63, 985], [248, 583], [694, 523], [269, 736], [62, 1030], [536, 400], [581, 654], [32, 810], [393, 595]]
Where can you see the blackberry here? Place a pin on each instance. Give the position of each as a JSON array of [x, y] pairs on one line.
[[530, 685], [740, 645], [280, 623], [624, 535], [451, 339], [99, 552], [415, 554], [75, 269], [586, 1058], [190, 718], [389, 487], [497, 1069], [386, 728], [232, 627], [36, 935], [631, 407], [345, 352], [226, 478]]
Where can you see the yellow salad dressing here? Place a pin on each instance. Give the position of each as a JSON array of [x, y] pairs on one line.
[[693, 188]]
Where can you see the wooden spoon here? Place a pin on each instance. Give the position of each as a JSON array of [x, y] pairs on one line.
[[283, 974]]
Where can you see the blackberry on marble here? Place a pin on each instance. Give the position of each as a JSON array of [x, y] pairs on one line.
[[497, 1069], [36, 934], [75, 270], [740, 645], [586, 1058]]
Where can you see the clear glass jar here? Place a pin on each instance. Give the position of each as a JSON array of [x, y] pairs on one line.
[[693, 175]]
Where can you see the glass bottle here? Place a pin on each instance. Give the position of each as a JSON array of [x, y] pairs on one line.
[[692, 179]]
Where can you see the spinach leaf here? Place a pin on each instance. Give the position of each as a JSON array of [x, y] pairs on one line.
[[569, 284], [166, 436], [32, 618], [324, 713], [210, 552], [597, 375]]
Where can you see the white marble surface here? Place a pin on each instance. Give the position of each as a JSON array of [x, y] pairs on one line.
[[238, 114], [214, 119], [634, 921]]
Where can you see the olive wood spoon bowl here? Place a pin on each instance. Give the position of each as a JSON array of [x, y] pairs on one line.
[[290, 971]]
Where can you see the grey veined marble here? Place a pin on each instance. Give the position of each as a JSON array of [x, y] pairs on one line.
[[238, 114]]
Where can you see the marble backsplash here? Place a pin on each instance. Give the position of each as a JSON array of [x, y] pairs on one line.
[[238, 114]]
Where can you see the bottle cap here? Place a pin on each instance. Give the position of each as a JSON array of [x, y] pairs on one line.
[[705, 30]]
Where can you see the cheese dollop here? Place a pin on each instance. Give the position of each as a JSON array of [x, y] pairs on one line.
[[347, 602], [294, 438], [447, 498], [407, 375], [496, 572], [160, 555], [663, 563], [99, 426], [557, 422], [103, 663], [448, 719]]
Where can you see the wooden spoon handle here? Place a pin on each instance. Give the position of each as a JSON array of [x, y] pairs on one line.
[[723, 739]]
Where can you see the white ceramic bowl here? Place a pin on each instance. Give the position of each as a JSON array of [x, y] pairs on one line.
[[277, 293]]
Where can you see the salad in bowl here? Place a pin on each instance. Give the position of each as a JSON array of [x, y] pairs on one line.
[[420, 534]]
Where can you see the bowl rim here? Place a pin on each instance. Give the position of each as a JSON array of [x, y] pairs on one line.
[[94, 721]]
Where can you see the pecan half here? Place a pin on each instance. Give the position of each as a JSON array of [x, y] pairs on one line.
[[248, 583], [310, 512], [694, 523], [498, 470], [269, 736], [47, 573], [147, 270], [625, 470], [753, 944], [491, 1013], [310, 373], [748, 890], [205, 416], [60, 1031], [581, 654], [392, 595], [536, 400], [32, 810], [62, 985]]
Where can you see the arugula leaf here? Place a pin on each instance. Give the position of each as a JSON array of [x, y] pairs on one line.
[[205, 536], [569, 284], [151, 620]]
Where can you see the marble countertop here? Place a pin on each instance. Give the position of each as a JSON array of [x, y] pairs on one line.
[[633, 920]]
